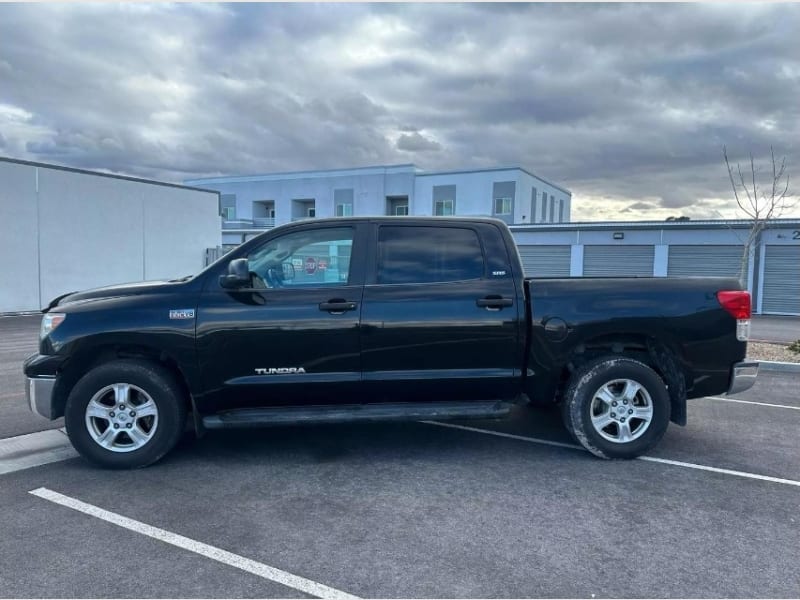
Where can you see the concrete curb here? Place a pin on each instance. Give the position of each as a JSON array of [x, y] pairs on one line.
[[775, 366], [34, 449], [777, 343]]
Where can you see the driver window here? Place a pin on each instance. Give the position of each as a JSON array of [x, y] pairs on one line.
[[312, 258]]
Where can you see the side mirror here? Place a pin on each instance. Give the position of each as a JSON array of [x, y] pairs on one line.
[[238, 274]]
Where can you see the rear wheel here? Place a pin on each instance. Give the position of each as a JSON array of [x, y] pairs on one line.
[[125, 414], [616, 407]]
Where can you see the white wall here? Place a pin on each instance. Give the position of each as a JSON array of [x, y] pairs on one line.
[[19, 254], [473, 191], [94, 231], [523, 205]]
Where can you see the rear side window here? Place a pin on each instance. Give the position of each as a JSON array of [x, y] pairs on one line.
[[428, 255]]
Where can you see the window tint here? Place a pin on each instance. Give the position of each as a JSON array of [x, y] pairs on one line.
[[428, 254], [305, 258]]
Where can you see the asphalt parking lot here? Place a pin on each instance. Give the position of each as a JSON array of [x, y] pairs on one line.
[[494, 509]]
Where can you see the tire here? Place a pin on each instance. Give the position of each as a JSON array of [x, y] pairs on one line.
[[139, 439], [601, 388], [563, 407]]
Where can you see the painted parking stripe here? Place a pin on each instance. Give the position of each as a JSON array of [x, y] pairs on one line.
[[510, 436], [679, 463], [34, 450], [664, 461], [223, 556], [751, 402]]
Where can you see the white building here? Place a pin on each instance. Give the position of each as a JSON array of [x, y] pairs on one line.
[[65, 229], [252, 202]]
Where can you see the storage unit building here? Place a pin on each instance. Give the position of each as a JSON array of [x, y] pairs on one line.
[[671, 249]]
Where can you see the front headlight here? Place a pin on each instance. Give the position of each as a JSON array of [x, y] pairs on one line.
[[49, 322]]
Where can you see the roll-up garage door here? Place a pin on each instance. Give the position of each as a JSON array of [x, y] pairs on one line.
[[781, 293], [618, 261], [710, 261], [545, 261]]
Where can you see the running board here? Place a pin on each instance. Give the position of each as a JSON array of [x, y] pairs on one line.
[[349, 413]]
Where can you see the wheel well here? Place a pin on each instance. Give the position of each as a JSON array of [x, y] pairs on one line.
[[83, 362], [646, 349]]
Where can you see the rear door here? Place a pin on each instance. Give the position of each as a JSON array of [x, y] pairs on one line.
[[436, 322]]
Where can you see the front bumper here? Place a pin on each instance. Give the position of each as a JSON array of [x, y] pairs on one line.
[[743, 376], [40, 381], [39, 393]]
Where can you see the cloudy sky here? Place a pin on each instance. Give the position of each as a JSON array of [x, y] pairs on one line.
[[626, 105]]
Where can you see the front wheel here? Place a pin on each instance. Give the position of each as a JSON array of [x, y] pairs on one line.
[[125, 414], [616, 407]]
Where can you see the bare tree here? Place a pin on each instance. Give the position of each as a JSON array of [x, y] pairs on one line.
[[759, 204]]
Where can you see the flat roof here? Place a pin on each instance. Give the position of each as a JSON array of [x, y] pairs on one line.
[[309, 174], [700, 224], [370, 170], [30, 163]]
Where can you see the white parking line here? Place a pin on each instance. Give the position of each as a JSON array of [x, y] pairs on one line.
[[750, 402], [510, 436], [223, 556], [664, 461], [678, 463]]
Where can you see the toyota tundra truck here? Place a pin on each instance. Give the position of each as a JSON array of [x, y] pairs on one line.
[[384, 318]]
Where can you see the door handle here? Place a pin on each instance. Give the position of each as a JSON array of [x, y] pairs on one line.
[[494, 302], [337, 306]]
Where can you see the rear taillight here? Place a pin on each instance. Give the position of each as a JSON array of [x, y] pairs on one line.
[[737, 303]]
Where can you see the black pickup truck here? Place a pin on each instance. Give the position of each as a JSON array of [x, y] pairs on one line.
[[383, 318]]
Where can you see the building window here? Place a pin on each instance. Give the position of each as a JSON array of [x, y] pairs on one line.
[[228, 206], [311, 212], [343, 202], [502, 206], [444, 200], [561, 212], [552, 209], [544, 207], [397, 205], [443, 208], [344, 209]]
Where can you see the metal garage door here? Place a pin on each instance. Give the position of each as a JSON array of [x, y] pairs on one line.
[[718, 261], [618, 261], [545, 261], [781, 293]]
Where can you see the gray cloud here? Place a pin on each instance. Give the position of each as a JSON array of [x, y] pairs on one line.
[[639, 206], [416, 142], [631, 102]]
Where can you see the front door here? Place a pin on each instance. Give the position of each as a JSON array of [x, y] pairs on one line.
[[292, 335]]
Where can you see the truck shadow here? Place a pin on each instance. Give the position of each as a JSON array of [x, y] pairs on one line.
[[333, 443]]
